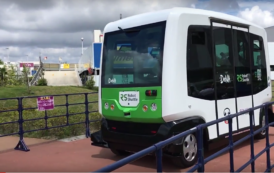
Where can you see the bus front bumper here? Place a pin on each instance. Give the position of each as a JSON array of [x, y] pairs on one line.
[[107, 138]]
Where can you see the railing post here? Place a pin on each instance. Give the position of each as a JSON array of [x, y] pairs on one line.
[[231, 149], [67, 111], [87, 116], [200, 147], [46, 119], [251, 114], [267, 145], [159, 156], [21, 144]]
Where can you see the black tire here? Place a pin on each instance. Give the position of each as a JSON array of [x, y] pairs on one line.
[[188, 158], [262, 134], [119, 152]]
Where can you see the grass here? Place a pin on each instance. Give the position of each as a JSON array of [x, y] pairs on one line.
[[21, 91], [33, 113], [30, 111]]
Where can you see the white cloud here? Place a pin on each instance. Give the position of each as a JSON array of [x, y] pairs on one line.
[[266, 5], [258, 16], [29, 26], [56, 26]]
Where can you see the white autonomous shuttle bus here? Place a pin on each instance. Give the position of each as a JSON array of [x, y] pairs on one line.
[[166, 72]]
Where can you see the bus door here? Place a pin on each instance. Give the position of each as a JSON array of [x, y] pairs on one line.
[[244, 97], [223, 55]]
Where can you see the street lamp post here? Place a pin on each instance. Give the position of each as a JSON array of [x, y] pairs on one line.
[[82, 44], [8, 56], [60, 62]]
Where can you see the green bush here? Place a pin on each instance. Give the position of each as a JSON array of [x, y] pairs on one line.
[[30, 78], [42, 82], [96, 89], [54, 133], [90, 83]]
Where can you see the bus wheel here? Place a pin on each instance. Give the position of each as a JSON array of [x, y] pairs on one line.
[[119, 152], [189, 152], [261, 135]]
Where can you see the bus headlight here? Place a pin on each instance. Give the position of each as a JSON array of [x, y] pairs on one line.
[[153, 107], [145, 108], [106, 105], [112, 107]]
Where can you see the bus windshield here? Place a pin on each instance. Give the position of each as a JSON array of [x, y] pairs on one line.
[[133, 57]]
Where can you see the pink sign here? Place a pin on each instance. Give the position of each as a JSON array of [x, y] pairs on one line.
[[45, 103], [27, 64]]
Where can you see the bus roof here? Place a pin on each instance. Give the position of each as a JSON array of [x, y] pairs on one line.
[[162, 15]]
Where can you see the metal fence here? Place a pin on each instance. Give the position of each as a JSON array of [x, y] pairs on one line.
[[199, 134], [36, 76], [57, 67], [87, 101]]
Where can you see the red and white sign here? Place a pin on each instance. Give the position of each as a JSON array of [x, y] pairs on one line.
[[27, 64]]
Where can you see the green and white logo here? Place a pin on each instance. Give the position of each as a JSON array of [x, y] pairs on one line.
[[124, 97], [243, 77], [129, 98], [239, 78]]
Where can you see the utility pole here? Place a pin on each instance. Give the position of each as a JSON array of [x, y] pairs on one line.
[[82, 44], [40, 58], [8, 54]]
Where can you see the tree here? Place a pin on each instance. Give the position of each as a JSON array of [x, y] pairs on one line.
[[3, 75], [11, 76], [26, 77]]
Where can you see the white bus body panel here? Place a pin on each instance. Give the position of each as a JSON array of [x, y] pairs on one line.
[[271, 57], [176, 104]]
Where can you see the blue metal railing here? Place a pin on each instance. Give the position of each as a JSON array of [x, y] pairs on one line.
[[201, 160], [21, 144]]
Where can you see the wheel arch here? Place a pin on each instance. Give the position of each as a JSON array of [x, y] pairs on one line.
[[193, 121]]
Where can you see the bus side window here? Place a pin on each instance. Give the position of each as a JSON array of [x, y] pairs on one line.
[[272, 67], [242, 63], [199, 63], [258, 64], [224, 68]]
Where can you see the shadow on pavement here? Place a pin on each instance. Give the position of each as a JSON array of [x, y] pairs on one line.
[[150, 160]]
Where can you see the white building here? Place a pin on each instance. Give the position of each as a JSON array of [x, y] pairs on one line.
[[18, 66]]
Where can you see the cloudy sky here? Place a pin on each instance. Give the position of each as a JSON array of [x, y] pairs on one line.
[[55, 27]]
